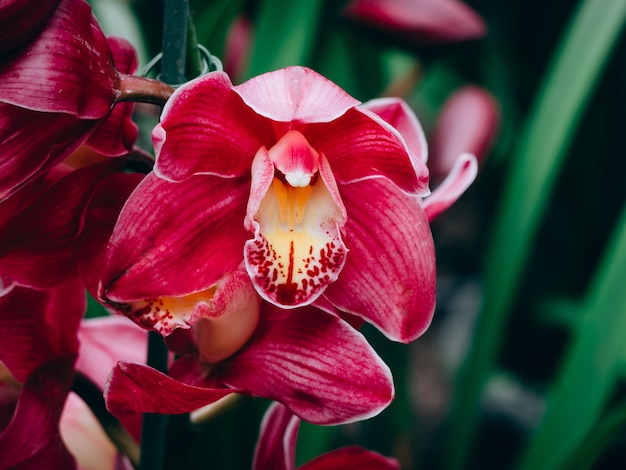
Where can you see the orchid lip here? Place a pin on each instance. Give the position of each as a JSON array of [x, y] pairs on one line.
[[296, 214]]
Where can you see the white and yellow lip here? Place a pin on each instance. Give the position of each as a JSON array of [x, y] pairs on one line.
[[297, 250]]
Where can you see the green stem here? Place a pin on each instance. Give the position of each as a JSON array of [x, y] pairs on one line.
[[175, 24]]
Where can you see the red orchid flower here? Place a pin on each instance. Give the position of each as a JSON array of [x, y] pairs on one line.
[[420, 21], [43, 337], [276, 448], [285, 172], [58, 90], [313, 362]]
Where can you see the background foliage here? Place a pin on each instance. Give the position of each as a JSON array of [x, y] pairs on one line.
[[524, 365]]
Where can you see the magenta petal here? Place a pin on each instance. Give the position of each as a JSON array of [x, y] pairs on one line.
[[39, 325], [351, 457], [173, 239], [136, 388], [54, 73], [360, 145], [458, 180], [420, 21], [468, 123], [98, 219], [220, 139], [315, 364], [276, 447], [22, 20], [295, 94], [33, 142], [32, 439], [389, 276], [396, 112]]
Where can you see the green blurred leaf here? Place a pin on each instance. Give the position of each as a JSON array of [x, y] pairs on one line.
[[285, 34], [568, 85], [590, 367]]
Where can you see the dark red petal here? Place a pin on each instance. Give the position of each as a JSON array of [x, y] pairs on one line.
[[98, 219], [174, 239], [32, 438], [22, 20], [36, 247], [33, 142], [389, 275], [67, 69], [136, 388], [39, 325], [315, 364]]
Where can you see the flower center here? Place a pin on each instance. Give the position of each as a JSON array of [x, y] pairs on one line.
[[297, 250]]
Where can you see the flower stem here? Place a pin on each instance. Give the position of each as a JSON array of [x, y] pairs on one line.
[[153, 425], [175, 26], [143, 90]]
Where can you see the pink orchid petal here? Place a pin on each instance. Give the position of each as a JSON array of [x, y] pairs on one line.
[[22, 20], [420, 21], [37, 245], [389, 276], [316, 365], [39, 325], [54, 73], [461, 176], [165, 223], [206, 128], [136, 388], [98, 220], [33, 142], [360, 146], [468, 123], [32, 439], [295, 94], [351, 457], [106, 340], [84, 437], [397, 113], [276, 447]]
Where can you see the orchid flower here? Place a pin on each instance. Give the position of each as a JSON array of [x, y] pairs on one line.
[[318, 196], [420, 21], [42, 338], [276, 448], [313, 362], [51, 101]]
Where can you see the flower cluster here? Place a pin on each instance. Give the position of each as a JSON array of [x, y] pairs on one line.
[[280, 215]]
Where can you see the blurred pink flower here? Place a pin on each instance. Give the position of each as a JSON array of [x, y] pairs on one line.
[[420, 21], [237, 47], [276, 448]]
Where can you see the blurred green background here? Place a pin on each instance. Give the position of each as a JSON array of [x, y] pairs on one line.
[[524, 364]]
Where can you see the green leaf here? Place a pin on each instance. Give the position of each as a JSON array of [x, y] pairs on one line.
[[285, 34], [566, 89], [588, 373]]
